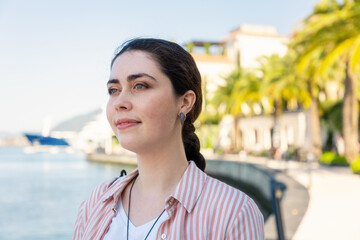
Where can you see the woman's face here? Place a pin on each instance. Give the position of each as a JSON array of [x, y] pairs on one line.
[[142, 108]]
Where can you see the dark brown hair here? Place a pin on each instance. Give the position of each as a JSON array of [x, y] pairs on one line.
[[179, 66]]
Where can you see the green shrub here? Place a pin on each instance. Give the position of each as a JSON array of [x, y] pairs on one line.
[[264, 153], [331, 158], [340, 160], [327, 157], [355, 166], [219, 151]]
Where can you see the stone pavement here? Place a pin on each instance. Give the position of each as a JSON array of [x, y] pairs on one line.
[[333, 208]]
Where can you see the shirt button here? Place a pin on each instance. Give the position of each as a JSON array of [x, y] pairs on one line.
[[171, 202], [163, 236]]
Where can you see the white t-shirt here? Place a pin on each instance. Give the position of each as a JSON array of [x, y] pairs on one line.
[[118, 230]]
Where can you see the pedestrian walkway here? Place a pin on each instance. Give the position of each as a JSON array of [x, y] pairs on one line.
[[334, 206]]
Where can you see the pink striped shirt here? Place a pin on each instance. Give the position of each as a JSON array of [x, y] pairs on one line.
[[200, 208]]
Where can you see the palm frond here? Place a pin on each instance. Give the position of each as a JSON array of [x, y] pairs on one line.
[[335, 54], [355, 54]]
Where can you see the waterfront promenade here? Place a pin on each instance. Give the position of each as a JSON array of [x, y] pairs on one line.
[[333, 210]]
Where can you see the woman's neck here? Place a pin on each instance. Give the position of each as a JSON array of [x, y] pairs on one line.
[[161, 170], [161, 167]]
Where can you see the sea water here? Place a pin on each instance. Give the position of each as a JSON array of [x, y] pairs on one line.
[[40, 193]]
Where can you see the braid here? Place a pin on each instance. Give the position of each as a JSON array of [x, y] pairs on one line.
[[192, 145]]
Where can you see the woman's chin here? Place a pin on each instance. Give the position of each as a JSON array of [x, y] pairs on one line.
[[132, 146]]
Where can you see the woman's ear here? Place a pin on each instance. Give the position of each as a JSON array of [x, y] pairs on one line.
[[187, 101]]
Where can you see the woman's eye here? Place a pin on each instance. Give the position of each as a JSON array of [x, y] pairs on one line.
[[112, 91], [140, 86]]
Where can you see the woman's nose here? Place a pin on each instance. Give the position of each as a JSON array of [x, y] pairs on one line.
[[123, 101]]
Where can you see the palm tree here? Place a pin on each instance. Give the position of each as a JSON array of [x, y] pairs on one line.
[[305, 69], [242, 87], [282, 88], [224, 96], [332, 33], [273, 87]]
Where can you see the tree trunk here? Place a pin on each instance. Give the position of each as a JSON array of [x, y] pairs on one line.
[[276, 141], [350, 116], [235, 140], [314, 122]]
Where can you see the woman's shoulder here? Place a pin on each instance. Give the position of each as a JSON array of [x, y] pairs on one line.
[[232, 209], [221, 188], [109, 188], [100, 190], [222, 194], [88, 206]]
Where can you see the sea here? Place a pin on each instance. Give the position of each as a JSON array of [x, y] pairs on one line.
[[40, 193]]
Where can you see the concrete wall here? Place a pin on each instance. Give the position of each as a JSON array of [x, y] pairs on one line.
[[246, 174]]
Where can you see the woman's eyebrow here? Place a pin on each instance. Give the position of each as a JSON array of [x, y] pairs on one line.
[[139, 75], [115, 81], [132, 77]]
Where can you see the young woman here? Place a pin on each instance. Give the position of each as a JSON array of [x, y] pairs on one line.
[[154, 98]]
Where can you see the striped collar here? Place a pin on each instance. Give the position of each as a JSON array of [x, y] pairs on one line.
[[117, 187], [187, 191], [190, 186]]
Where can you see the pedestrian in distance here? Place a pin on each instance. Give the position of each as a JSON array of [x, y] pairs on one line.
[[154, 98]]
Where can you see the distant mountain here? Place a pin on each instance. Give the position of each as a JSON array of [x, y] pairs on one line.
[[78, 122]]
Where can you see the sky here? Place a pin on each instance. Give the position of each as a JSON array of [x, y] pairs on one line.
[[55, 55]]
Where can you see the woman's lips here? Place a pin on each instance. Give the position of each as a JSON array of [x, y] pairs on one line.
[[126, 123]]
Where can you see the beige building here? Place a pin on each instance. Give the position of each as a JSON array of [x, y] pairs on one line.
[[245, 46], [249, 42]]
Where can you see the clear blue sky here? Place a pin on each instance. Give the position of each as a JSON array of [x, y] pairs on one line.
[[55, 55]]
